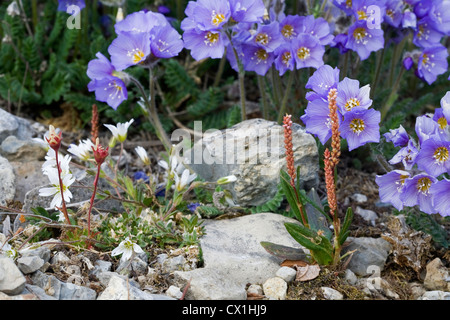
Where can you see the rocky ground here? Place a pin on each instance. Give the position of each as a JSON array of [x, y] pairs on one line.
[[391, 260]]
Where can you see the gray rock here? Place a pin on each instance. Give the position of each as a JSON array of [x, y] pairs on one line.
[[209, 284], [28, 176], [29, 264], [38, 292], [350, 277], [331, 294], [105, 276], [436, 277], [60, 258], [101, 266], [42, 252], [368, 215], [287, 274], [370, 252], [171, 264], [15, 149], [7, 183], [119, 289], [137, 265], [8, 124], [254, 152], [50, 284], [20, 297], [12, 281], [275, 288], [359, 198], [435, 295], [255, 289], [232, 251], [70, 291]]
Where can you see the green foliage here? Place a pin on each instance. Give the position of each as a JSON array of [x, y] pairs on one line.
[[273, 205]]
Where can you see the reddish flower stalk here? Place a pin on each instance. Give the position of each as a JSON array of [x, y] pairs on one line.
[[287, 125], [54, 141], [100, 155], [335, 137], [329, 181], [94, 123]]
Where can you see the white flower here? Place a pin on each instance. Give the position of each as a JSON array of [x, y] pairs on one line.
[[126, 248], [120, 131], [142, 155], [13, 9], [82, 150], [9, 251], [227, 179], [50, 162], [185, 180], [54, 190]]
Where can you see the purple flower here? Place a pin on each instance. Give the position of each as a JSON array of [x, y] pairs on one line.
[[340, 42], [360, 126], [433, 157], [406, 155], [284, 59], [390, 187], [399, 137], [63, 5], [206, 15], [432, 62], [425, 35], [442, 114], [193, 206], [361, 8], [351, 96], [364, 40], [409, 19], [141, 175], [291, 26], [323, 79], [439, 16], [441, 196], [317, 120], [344, 5], [106, 81], [416, 191], [129, 49], [256, 58], [425, 128], [308, 52], [111, 90], [165, 42], [247, 10], [394, 12], [140, 22], [205, 44], [267, 37], [318, 28], [408, 62]]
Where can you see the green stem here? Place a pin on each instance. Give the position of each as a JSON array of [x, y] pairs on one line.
[[345, 67], [219, 73], [379, 63], [34, 13], [285, 97], [392, 96], [92, 200], [262, 91]]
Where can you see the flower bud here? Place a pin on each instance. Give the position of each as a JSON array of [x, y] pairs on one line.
[[54, 139], [100, 153], [227, 179]]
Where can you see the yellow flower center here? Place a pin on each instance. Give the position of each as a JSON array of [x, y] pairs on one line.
[[362, 15], [357, 125], [423, 185], [359, 33], [211, 38], [348, 4], [217, 18], [262, 38], [441, 154], [287, 31], [261, 55], [303, 53], [425, 59], [442, 122], [286, 58], [137, 55], [351, 103], [390, 13]]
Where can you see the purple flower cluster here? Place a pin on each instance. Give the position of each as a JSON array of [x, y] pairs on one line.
[[63, 5], [359, 124], [240, 27], [427, 21], [422, 182], [142, 38]]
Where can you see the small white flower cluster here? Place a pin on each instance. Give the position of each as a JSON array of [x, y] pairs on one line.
[[176, 171]]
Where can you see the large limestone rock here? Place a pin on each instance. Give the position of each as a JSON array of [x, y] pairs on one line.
[[254, 151], [7, 182], [233, 256]]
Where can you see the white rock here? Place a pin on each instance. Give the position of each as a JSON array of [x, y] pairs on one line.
[[435, 295], [60, 258], [359, 198], [331, 294], [350, 277], [436, 277], [275, 289], [367, 215], [287, 274], [174, 292], [12, 281], [255, 289]]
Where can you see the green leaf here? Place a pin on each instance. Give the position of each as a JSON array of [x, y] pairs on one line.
[[316, 215], [283, 252], [345, 225], [291, 196], [319, 246]]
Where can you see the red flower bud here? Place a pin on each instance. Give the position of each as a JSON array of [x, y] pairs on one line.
[[54, 139], [100, 153]]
